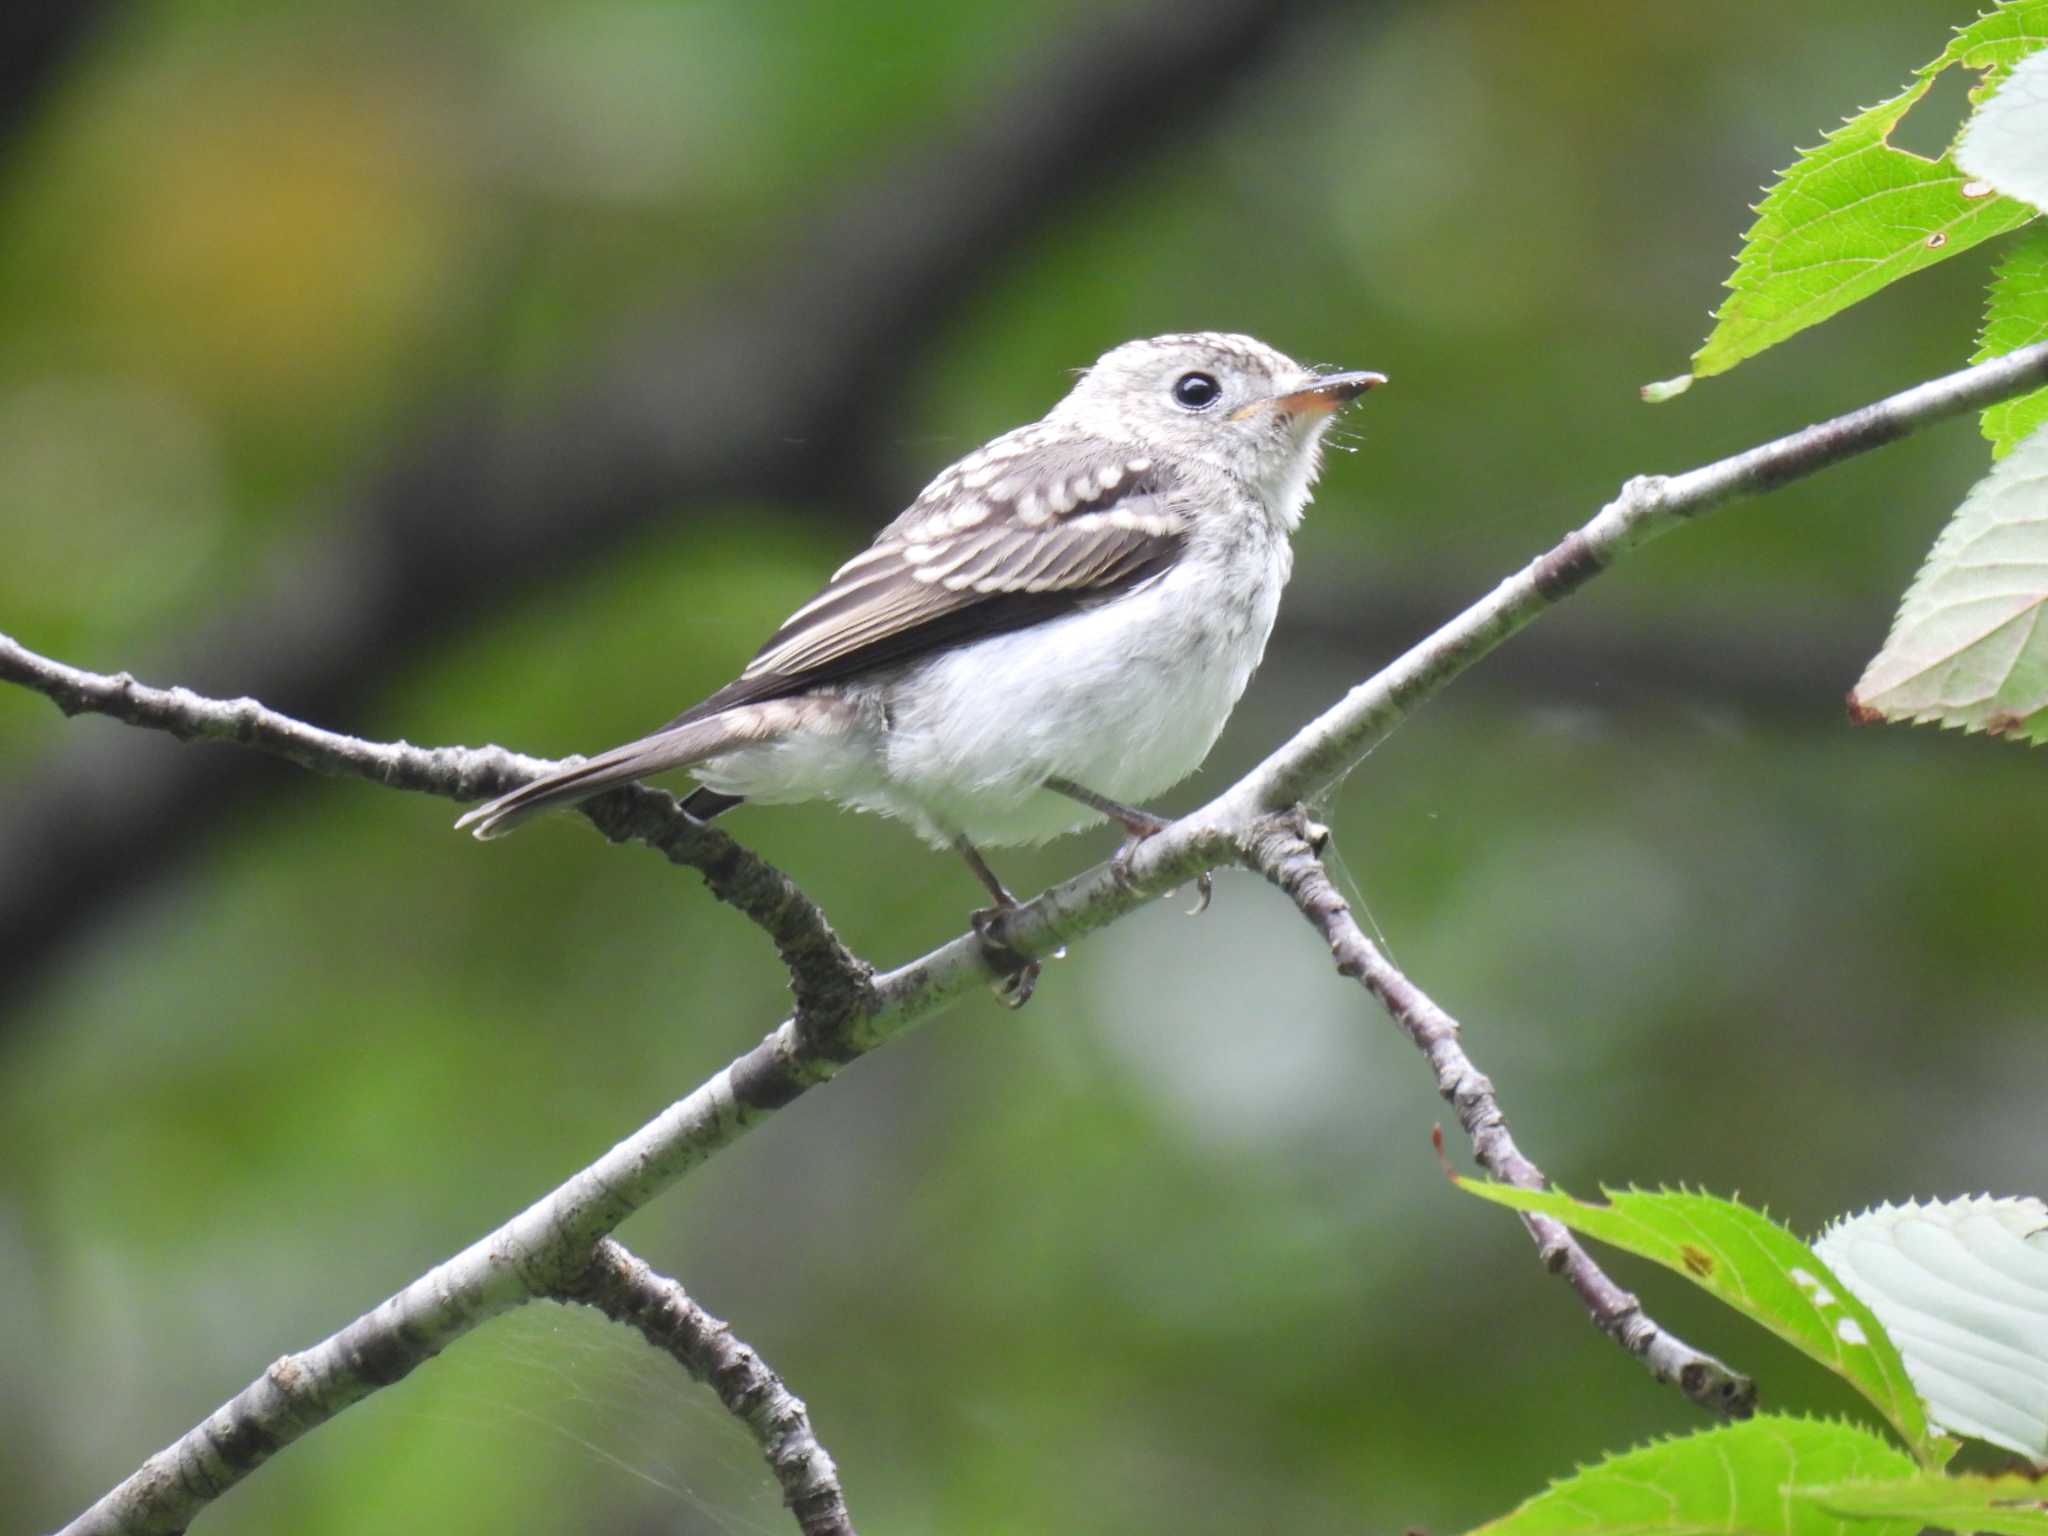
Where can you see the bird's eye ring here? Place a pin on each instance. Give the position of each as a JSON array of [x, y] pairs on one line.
[[1196, 391]]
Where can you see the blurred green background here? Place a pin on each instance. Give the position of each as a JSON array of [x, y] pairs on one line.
[[1169, 1250]]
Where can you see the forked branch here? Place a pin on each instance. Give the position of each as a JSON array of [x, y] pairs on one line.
[[299, 1392]]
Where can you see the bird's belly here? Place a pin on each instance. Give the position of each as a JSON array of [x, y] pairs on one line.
[[1124, 700]]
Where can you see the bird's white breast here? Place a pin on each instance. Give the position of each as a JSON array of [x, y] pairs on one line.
[[1125, 699]]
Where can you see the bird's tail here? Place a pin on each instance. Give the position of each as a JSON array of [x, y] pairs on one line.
[[676, 747]]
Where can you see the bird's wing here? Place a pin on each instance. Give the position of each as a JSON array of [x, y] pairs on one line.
[[1036, 524]]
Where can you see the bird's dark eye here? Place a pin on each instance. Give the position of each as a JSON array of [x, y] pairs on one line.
[[1197, 391]]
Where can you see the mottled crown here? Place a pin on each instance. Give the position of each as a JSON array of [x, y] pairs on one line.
[[1138, 364]]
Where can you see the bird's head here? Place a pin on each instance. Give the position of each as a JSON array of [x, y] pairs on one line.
[[1227, 401]]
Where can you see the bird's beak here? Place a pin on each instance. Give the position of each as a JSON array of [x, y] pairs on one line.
[[1329, 393]]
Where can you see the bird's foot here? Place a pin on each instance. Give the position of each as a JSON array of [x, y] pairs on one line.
[[1016, 975], [1138, 824], [1120, 868]]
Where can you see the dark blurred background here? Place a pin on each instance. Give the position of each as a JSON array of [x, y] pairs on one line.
[[504, 372]]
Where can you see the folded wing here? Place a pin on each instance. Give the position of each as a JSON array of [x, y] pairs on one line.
[[1035, 525]]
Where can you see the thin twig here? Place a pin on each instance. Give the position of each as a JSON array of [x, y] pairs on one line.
[[625, 1289], [1286, 848], [543, 1249], [829, 981]]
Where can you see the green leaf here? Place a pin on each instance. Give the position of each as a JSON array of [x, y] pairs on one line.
[[1855, 214], [2015, 316], [1755, 1266], [2011, 1505], [1731, 1480], [1969, 648]]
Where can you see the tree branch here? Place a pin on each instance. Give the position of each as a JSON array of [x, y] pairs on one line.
[[547, 1248], [625, 1289], [299, 1392], [1286, 848], [1340, 739], [829, 981], [1778, 661]]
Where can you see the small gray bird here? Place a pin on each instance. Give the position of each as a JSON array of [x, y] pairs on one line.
[[1059, 626]]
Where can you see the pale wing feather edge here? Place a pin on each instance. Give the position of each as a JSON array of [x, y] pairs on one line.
[[1077, 517]]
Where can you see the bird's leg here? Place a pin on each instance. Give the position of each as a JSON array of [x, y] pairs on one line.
[[1019, 976], [1137, 824]]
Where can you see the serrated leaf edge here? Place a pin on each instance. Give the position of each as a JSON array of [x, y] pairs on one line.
[[1962, 51], [1913, 607]]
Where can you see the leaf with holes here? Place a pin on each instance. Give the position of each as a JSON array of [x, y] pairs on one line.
[[1969, 648], [2005, 143], [1855, 214], [1732, 1481], [2015, 316], [2012, 1505], [1758, 1268]]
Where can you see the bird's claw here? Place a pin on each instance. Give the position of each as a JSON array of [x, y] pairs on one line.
[[1120, 861], [1120, 871], [1016, 976]]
